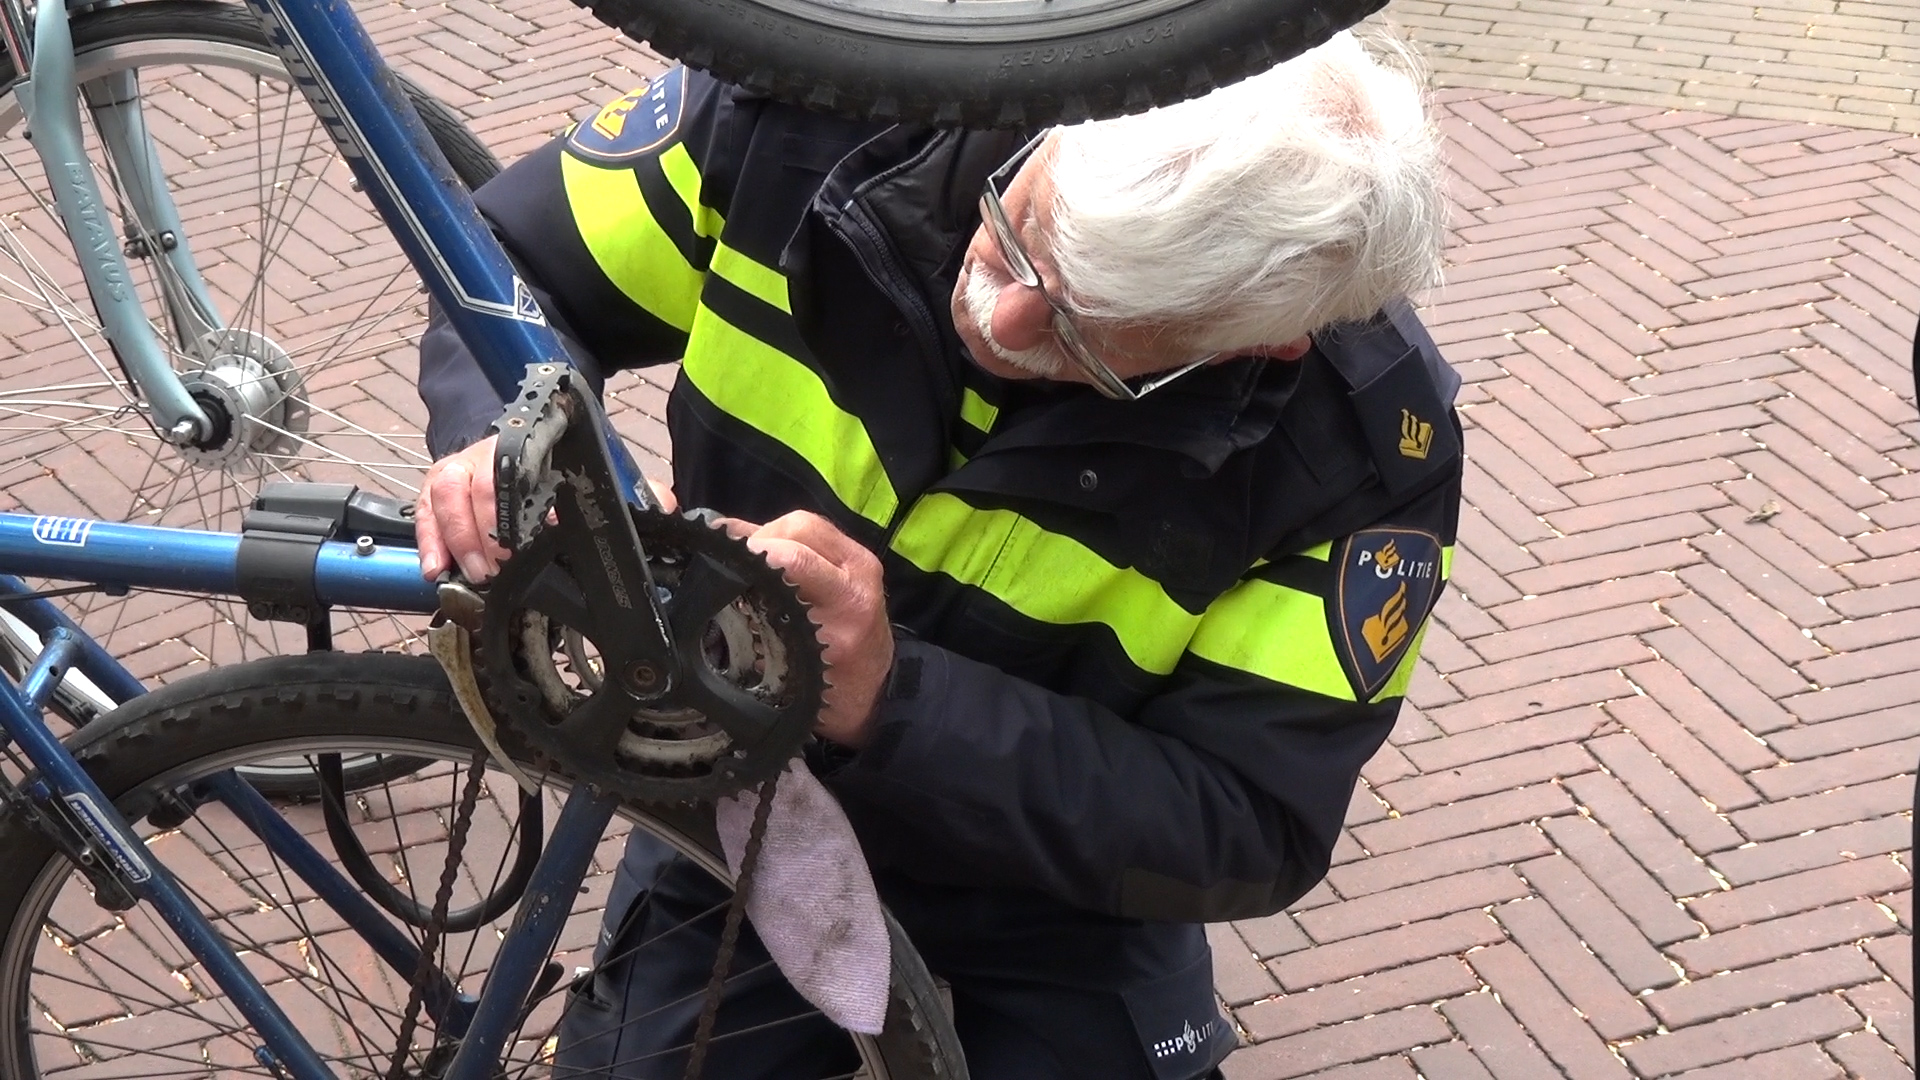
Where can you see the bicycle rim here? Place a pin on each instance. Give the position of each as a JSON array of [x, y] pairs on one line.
[[323, 316], [112, 996]]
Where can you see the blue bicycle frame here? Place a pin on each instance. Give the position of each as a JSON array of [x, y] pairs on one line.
[[428, 210]]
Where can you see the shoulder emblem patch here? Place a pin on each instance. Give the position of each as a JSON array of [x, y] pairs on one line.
[[635, 124], [1388, 580]]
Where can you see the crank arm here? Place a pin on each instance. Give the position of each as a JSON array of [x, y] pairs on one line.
[[551, 453]]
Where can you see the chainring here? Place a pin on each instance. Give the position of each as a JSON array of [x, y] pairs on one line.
[[757, 652]]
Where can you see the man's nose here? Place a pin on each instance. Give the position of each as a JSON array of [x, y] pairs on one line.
[[1021, 317]]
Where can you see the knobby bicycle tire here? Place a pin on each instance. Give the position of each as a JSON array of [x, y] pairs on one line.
[[302, 270], [981, 63], [145, 749]]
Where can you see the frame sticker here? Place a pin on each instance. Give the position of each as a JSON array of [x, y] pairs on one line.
[[62, 531], [104, 830]]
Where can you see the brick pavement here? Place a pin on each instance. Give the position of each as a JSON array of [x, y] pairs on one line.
[[1647, 811]]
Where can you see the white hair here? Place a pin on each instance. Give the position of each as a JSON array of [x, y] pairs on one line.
[[1306, 195]]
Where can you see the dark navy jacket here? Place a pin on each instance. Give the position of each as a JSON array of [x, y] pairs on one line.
[[1143, 648]]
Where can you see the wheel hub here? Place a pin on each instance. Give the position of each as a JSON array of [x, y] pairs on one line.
[[250, 387]]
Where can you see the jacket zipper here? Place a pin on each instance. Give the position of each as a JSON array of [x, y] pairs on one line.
[[907, 301]]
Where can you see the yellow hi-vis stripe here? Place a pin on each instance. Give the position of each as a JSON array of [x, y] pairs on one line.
[[763, 283], [684, 176], [1276, 633], [1281, 634], [975, 410], [782, 398], [1045, 576], [629, 246], [1259, 627]]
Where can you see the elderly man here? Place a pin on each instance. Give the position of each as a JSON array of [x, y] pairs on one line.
[[1117, 470]]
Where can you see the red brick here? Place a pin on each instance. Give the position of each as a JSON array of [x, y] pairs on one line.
[[1799, 892], [1334, 1002], [1745, 659], [1644, 901], [1635, 828], [1420, 792], [1802, 1062], [1272, 935], [1702, 716], [1510, 737], [1868, 1058], [1742, 1036], [1889, 1011], [1298, 1055], [1599, 923], [1614, 1013], [1765, 580], [1739, 380], [1894, 955], [1686, 463], [1664, 792], [1854, 767], [1380, 872], [1781, 637], [1857, 698], [1622, 537], [1397, 907], [1464, 817], [1450, 1061], [1547, 1016], [1650, 559], [1780, 980], [1496, 1038], [1531, 701], [1790, 817], [1385, 949], [1823, 847], [1237, 977], [1394, 1068], [1746, 946]]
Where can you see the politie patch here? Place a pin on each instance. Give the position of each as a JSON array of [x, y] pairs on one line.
[[635, 124], [1388, 581]]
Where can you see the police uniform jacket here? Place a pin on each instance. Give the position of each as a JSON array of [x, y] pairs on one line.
[[1143, 648]]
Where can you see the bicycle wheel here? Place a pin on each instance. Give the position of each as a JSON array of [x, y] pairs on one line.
[[315, 370], [114, 996], [982, 63]]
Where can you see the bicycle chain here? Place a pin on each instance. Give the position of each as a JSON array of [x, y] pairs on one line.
[[442, 899], [730, 932]]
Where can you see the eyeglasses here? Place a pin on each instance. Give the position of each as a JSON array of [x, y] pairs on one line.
[[994, 213]]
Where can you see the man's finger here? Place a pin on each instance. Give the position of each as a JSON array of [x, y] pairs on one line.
[[820, 582], [426, 533], [447, 494], [663, 494], [817, 533], [486, 516]]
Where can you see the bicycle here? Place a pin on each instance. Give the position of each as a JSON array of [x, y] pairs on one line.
[[240, 314], [118, 960], [113, 965]]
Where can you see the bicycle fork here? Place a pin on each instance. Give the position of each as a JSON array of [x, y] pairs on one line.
[[49, 97]]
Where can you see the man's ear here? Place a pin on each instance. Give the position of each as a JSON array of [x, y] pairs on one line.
[[1292, 350]]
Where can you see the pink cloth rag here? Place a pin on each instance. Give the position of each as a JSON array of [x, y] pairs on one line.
[[813, 901]]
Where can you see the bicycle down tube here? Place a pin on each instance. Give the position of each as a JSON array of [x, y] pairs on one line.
[[427, 209]]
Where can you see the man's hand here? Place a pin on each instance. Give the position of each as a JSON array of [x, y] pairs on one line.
[[842, 580], [455, 516]]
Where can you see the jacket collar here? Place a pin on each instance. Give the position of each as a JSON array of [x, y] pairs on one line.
[[921, 187]]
